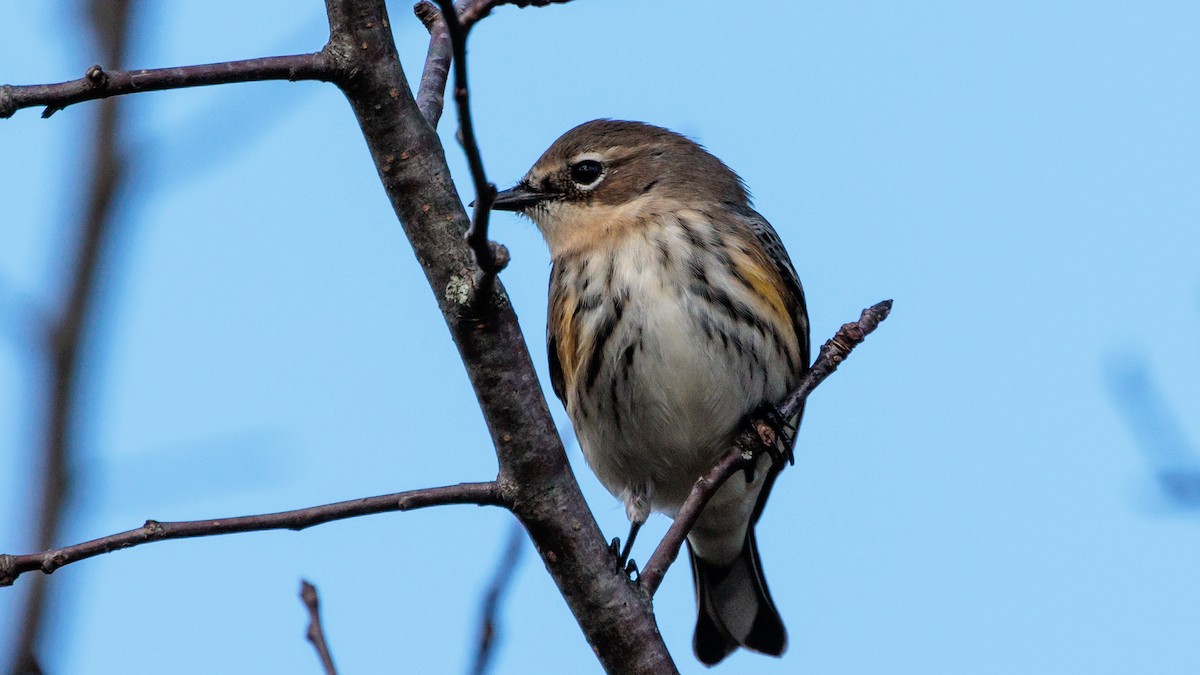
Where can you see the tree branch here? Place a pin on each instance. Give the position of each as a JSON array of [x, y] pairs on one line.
[[485, 192], [832, 353], [706, 486], [489, 620], [534, 473], [432, 90], [99, 83], [483, 494], [315, 632], [470, 11], [749, 443]]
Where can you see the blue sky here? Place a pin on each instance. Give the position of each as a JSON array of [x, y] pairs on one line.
[[1021, 177]]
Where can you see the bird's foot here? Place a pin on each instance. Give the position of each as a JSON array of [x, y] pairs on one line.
[[620, 554], [774, 432]]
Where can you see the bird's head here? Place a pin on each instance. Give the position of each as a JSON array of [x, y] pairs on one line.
[[606, 176]]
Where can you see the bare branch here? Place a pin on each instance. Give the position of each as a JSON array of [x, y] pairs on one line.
[[99, 83], [833, 352], [483, 494], [315, 632], [706, 486], [534, 473], [485, 192], [432, 91], [748, 442], [470, 11], [489, 621]]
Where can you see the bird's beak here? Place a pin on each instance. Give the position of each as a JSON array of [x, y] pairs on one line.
[[517, 198]]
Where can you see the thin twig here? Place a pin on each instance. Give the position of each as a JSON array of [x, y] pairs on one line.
[[99, 83], [431, 93], [315, 632], [483, 494], [470, 11], [748, 443], [489, 621], [706, 486], [432, 90], [485, 192], [832, 354]]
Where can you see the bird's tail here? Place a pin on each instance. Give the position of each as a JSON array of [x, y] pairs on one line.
[[735, 608]]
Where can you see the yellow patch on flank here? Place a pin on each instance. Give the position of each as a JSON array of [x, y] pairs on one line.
[[756, 268], [566, 336]]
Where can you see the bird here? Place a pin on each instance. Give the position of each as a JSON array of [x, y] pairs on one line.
[[675, 314]]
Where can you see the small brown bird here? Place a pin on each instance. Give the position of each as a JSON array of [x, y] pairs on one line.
[[675, 314]]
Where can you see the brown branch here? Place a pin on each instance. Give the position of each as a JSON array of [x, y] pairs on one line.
[[489, 620], [315, 633], [832, 353], [99, 83], [534, 475], [483, 494], [485, 193], [470, 11], [748, 443], [706, 486], [432, 91]]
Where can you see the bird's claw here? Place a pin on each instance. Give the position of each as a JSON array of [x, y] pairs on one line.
[[774, 432], [621, 555]]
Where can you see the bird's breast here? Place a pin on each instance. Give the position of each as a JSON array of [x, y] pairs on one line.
[[667, 337]]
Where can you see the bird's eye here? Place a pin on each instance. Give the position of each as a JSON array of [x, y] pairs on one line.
[[585, 172]]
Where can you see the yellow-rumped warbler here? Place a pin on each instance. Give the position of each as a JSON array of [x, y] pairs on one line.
[[674, 314]]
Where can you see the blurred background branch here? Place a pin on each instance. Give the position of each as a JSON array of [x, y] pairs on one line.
[[493, 598], [1170, 454], [68, 335]]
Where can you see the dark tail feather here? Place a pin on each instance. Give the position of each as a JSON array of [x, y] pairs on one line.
[[735, 608]]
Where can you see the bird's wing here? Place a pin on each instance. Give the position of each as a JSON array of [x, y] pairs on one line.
[[556, 372], [553, 323], [768, 238]]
